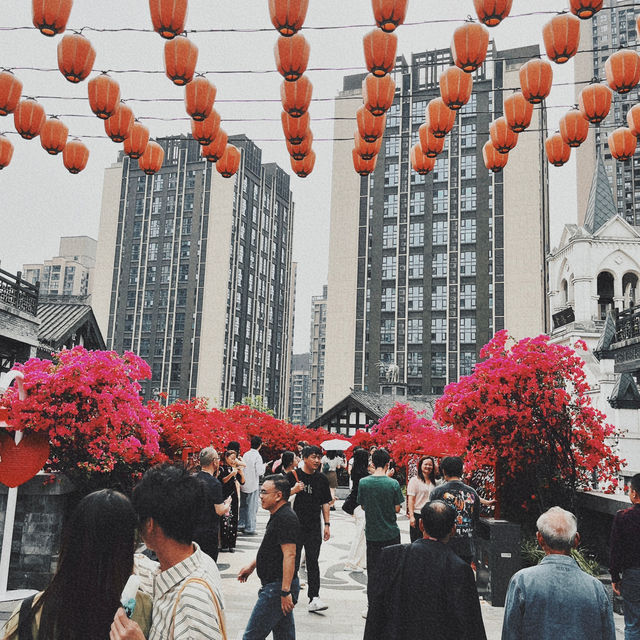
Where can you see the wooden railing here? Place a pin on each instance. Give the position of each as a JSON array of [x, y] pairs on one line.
[[18, 293], [628, 324]]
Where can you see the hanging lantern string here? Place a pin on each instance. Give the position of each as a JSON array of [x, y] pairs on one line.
[[336, 27]]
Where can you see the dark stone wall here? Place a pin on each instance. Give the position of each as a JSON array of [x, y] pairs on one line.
[[40, 511]]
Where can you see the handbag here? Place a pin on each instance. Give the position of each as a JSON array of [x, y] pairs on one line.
[[216, 603], [350, 504]]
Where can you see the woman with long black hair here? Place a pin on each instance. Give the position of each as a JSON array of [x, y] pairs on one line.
[[230, 475], [96, 560], [418, 491]]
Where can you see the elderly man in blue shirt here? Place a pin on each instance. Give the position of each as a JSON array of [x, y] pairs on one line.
[[556, 599]]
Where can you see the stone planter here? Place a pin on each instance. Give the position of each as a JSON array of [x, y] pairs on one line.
[[40, 511]]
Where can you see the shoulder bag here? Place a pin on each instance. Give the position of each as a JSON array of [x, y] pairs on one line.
[[216, 603]]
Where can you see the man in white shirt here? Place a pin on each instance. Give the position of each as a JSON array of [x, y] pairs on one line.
[[255, 467]]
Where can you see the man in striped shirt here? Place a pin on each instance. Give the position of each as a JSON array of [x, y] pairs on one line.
[[185, 584]]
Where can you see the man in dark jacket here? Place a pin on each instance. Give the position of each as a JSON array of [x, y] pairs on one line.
[[424, 590]]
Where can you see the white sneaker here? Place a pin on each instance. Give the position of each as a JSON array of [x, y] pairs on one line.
[[317, 605]]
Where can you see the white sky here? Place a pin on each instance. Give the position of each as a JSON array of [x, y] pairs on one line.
[[40, 201]]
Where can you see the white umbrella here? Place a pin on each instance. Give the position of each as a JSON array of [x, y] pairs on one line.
[[335, 445]]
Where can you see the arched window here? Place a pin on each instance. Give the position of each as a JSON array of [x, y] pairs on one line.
[[629, 287], [605, 293], [564, 293]]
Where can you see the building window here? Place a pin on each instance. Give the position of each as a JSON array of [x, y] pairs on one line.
[[393, 116], [137, 228], [468, 296], [145, 347], [388, 331], [416, 203], [165, 274], [468, 199], [142, 181], [438, 330], [414, 364], [148, 299], [391, 174], [131, 300], [158, 182], [146, 322], [416, 234], [468, 135], [468, 330], [179, 323], [416, 265], [390, 236], [167, 250], [440, 200], [467, 362], [185, 248], [468, 230], [392, 145], [389, 266], [133, 275], [439, 232], [388, 299], [139, 207], [151, 274], [168, 226], [156, 205], [441, 170], [390, 205], [439, 265], [414, 330], [438, 364], [170, 203], [172, 180], [181, 297], [183, 273], [438, 297], [154, 227], [163, 297], [153, 251], [188, 202], [468, 263], [415, 298], [468, 167], [191, 179]]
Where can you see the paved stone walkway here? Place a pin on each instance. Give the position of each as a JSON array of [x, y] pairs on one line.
[[343, 592]]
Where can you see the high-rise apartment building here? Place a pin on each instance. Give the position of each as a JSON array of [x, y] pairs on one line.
[[318, 351], [299, 388], [194, 274], [423, 270], [70, 273], [611, 28]]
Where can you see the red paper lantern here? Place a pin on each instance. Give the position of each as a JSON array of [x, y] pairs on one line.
[[469, 46], [633, 120], [151, 160], [199, 96], [228, 164], [378, 93], [296, 96], [292, 56], [53, 136], [623, 70], [299, 151], [295, 129], [104, 95], [493, 160], [380, 51], [10, 92], [420, 162], [622, 144], [574, 129], [367, 149], [136, 144], [302, 168], [75, 156], [594, 102], [503, 137], [75, 57], [585, 9], [389, 14], [561, 37], [50, 16], [439, 118], [430, 145], [558, 151], [518, 112], [118, 126], [28, 117], [492, 12], [362, 166], [180, 58], [455, 87], [370, 127], [536, 78], [216, 148], [168, 17], [6, 151], [204, 131], [287, 16]]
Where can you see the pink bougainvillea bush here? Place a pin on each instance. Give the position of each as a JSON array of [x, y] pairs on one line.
[[89, 403], [526, 409]]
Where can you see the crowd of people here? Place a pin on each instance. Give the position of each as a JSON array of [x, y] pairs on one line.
[[185, 519]]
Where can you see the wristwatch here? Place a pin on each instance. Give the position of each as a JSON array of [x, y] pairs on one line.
[[284, 594]]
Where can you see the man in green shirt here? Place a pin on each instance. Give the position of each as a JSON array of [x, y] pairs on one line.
[[381, 498]]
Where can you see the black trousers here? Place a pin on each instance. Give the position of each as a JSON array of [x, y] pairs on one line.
[[414, 532], [374, 549], [310, 540], [207, 540]]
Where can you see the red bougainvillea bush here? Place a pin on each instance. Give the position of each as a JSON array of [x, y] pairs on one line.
[[89, 403], [526, 409]]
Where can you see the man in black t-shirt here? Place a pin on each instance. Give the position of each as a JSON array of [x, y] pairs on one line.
[[208, 523], [276, 565], [313, 497]]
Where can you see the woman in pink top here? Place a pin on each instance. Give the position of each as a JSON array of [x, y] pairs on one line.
[[418, 491]]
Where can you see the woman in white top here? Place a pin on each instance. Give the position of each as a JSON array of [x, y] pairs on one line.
[[330, 462], [418, 492]]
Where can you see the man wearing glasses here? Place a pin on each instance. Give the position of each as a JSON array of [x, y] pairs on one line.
[[276, 566]]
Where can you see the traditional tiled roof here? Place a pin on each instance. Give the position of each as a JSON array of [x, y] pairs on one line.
[[601, 205], [607, 337], [59, 321], [625, 394]]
